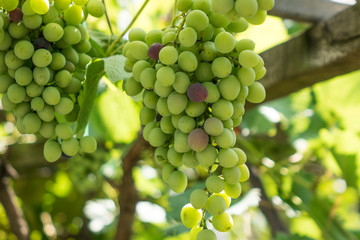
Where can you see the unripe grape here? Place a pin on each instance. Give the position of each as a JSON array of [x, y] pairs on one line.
[[222, 222], [16, 93], [231, 175], [214, 184], [225, 139], [157, 137], [5, 82], [41, 58], [190, 217], [213, 126], [197, 19], [73, 15], [47, 129], [23, 49], [166, 171], [189, 159], [95, 8], [63, 130], [245, 174], [52, 151], [37, 104], [198, 198], [181, 142], [184, 5], [39, 6], [174, 157], [51, 95], [233, 190], [53, 32], [70, 146], [221, 67], [177, 181], [168, 55], [216, 205], [31, 123], [88, 144], [194, 232], [206, 234]]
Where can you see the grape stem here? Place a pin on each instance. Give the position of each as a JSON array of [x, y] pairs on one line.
[[180, 27], [107, 18], [110, 50], [174, 12]]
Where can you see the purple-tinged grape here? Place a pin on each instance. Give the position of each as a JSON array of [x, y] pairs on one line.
[[16, 15], [154, 50], [41, 43], [197, 92], [198, 140]]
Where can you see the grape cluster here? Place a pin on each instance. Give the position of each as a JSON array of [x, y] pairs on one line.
[[195, 78], [42, 66]]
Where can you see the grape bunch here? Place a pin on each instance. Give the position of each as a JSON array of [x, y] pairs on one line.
[[195, 78], [42, 66]]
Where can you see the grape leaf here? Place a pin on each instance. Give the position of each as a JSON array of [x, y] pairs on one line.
[[94, 73], [114, 68]]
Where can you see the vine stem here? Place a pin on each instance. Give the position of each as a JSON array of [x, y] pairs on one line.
[[111, 50], [174, 12], [107, 18]]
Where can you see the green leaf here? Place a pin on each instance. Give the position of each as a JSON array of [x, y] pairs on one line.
[[114, 68], [94, 73]]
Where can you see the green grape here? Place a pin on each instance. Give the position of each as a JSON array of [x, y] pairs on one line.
[[177, 102], [146, 131], [58, 61], [40, 6], [166, 125], [190, 216], [71, 35], [245, 174], [73, 15], [216, 205], [168, 55], [245, 44], [63, 78], [47, 114], [194, 232], [184, 5], [227, 158], [31, 123], [237, 121], [6, 43], [32, 21], [16, 93], [260, 73], [160, 153], [5, 82], [6, 103], [239, 109], [157, 137], [187, 37], [161, 90], [248, 58], [88, 144], [222, 109], [187, 61], [138, 50], [266, 4], [207, 34], [21, 109], [246, 8], [83, 46], [203, 5], [52, 15], [80, 2], [214, 184], [147, 115], [54, 32], [165, 76], [181, 144], [206, 234], [222, 6], [23, 49], [246, 76], [198, 198], [174, 157], [162, 107], [229, 87], [256, 93], [95, 8], [41, 75], [238, 26], [9, 5], [139, 67], [218, 20], [37, 104], [231, 175], [195, 109], [203, 72], [208, 51], [213, 92], [233, 15], [224, 42], [222, 222], [12, 61], [132, 87], [74, 86], [197, 19], [228, 123], [23, 76], [168, 38], [186, 124], [84, 60], [181, 83], [243, 94], [47, 129], [233, 190], [137, 34], [153, 36], [52, 151], [33, 89], [213, 126], [63, 130], [129, 64], [41, 58], [259, 18], [225, 139], [84, 32], [177, 181], [175, 119], [73, 115], [150, 99], [166, 172], [189, 159], [221, 67], [70, 146], [71, 55], [207, 157]]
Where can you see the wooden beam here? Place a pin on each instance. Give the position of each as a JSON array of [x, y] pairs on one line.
[[330, 48], [306, 10]]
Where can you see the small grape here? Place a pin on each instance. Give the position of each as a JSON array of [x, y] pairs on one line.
[[70, 146], [39, 6], [187, 37], [31, 123], [52, 151], [245, 174], [37, 104], [177, 181], [23, 49], [198, 140], [197, 19], [248, 58], [221, 67], [259, 18], [229, 87], [189, 159], [95, 8], [256, 93], [213, 126], [206, 234], [198, 198], [216, 205], [177, 103], [165, 76], [231, 175], [222, 222], [16, 93], [73, 15], [224, 42], [181, 82], [187, 61], [47, 129], [23, 76], [184, 5], [190, 216], [195, 109], [181, 142], [214, 184], [88, 144], [64, 131], [53, 32], [41, 58], [186, 124], [154, 50], [21, 109], [226, 139], [197, 92], [168, 55], [233, 190], [16, 15], [157, 137], [222, 109]]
